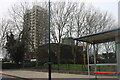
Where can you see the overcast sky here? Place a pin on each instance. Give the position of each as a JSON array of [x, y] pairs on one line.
[[104, 5]]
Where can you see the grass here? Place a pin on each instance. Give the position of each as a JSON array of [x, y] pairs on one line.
[[78, 67], [107, 68], [74, 67]]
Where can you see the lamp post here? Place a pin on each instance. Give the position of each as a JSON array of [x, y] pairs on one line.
[[49, 63]]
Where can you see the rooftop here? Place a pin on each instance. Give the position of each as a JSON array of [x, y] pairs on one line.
[[101, 37]]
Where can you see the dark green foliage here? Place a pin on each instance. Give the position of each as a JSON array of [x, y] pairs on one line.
[[66, 55], [104, 58], [29, 64], [11, 66], [109, 57], [15, 48], [18, 55]]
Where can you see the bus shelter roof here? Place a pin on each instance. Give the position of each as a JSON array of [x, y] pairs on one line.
[[101, 37]]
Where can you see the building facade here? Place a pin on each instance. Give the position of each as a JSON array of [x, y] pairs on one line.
[[35, 28]]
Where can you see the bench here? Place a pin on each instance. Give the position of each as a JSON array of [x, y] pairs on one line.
[[105, 73]]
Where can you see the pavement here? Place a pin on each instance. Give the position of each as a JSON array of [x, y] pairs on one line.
[[6, 77], [36, 75]]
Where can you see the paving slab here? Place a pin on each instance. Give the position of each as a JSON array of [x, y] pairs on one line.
[[35, 75]]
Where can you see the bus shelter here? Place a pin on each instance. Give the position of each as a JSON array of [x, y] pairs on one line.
[[102, 37]]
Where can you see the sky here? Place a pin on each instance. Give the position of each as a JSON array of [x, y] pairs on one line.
[[111, 6]]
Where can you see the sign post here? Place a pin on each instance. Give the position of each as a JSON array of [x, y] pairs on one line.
[[117, 40]]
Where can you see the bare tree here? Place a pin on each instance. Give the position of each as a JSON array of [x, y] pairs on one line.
[[16, 13], [61, 16], [76, 20], [97, 22], [67, 20], [109, 47], [5, 28], [62, 13]]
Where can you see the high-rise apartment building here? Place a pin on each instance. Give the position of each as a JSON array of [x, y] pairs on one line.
[[35, 28]]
